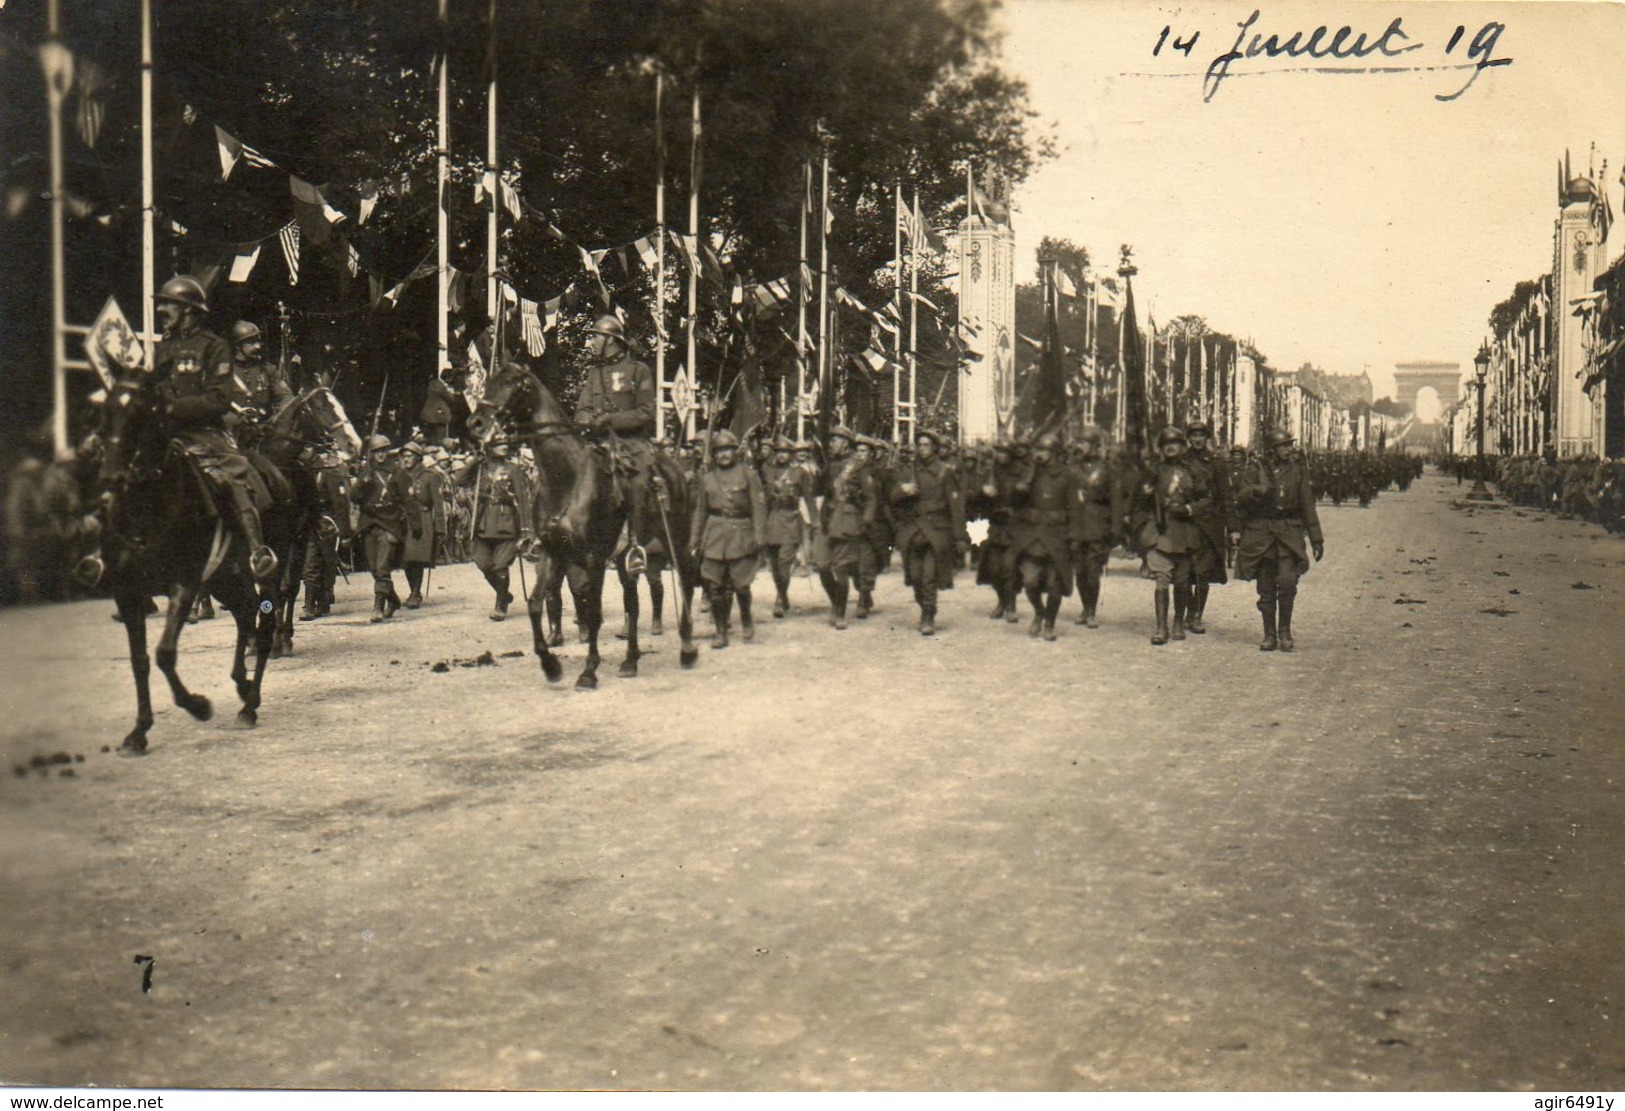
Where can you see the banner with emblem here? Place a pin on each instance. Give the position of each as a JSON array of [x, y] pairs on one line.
[[682, 395], [111, 343]]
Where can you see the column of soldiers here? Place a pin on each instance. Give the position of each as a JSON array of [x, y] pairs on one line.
[[1586, 488], [1341, 476]]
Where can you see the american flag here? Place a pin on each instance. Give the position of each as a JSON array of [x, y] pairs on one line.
[[289, 237]]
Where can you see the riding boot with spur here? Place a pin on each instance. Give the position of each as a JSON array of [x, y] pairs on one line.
[[262, 561], [1161, 635]]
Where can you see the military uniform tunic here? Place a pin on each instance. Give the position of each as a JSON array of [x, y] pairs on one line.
[[729, 526], [1277, 506], [930, 522]]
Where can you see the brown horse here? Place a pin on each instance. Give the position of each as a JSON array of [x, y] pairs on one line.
[[162, 533], [580, 515]]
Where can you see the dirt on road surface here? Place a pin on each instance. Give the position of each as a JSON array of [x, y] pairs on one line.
[[851, 860]]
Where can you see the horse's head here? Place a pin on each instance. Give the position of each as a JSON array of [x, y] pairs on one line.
[[130, 439], [507, 397], [325, 410]]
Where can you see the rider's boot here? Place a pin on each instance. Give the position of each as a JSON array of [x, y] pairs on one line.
[[262, 561], [1181, 601], [1198, 607], [1286, 602], [747, 627]]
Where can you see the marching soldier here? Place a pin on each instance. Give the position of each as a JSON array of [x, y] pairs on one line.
[[730, 524], [382, 493], [1170, 535], [996, 566], [332, 530], [930, 515], [1277, 509], [193, 379], [503, 504], [1099, 520], [877, 531], [425, 513], [788, 487], [849, 510], [1212, 520], [1045, 504]]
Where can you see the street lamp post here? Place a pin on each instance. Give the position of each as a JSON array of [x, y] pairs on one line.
[[1481, 362]]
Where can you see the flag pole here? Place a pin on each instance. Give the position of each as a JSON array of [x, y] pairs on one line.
[[914, 324], [663, 401], [1091, 326], [825, 385], [56, 62], [149, 249], [802, 296], [693, 262], [493, 295], [897, 305], [442, 178]]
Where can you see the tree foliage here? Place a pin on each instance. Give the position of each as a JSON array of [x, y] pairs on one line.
[[343, 93]]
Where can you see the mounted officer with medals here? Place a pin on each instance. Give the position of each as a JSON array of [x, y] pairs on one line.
[[618, 402]]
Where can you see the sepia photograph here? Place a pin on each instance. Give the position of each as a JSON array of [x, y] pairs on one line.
[[812, 546]]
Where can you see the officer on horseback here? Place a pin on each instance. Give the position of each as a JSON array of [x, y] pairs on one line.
[[618, 399], [193, 378], [262, 385]]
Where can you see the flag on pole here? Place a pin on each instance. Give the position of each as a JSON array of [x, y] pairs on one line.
[[111, 343], [231, 151], [289, 238], [474, 384], [911, 227], [645, 247], [531, 318], [243, 265], [510, 198], [92, 109]]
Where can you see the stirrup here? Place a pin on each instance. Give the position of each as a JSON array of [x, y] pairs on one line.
[[262, 562], [637, 560]]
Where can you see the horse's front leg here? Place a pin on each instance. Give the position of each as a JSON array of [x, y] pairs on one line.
[[257, 614], [180, 605], [293, 570], [629, 592], [657, 594], [548, 576], [588, 594], [688, 573], [132, 610]]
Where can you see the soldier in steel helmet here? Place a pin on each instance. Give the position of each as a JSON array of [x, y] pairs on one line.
[[1045, 505], [1099, 520], [382, 494], [788, 487], [332, 528], [193, 378], [930, 513], [996, 565], [1277, 508], [262, 385], [504, 504], [729, 528], [618, 400], [1169, 534], [1213, 520], [848, 512]]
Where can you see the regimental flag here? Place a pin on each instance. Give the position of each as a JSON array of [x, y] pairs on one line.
[[230, 151], [531, 318], [243, 265], [111, 344], [1131, 352], [289, 238]]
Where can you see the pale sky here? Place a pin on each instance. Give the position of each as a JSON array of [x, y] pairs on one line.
[[1348, 220]]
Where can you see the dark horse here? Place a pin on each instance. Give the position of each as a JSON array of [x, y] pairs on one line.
[[579, 517], [162, 533], [307, 423]]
